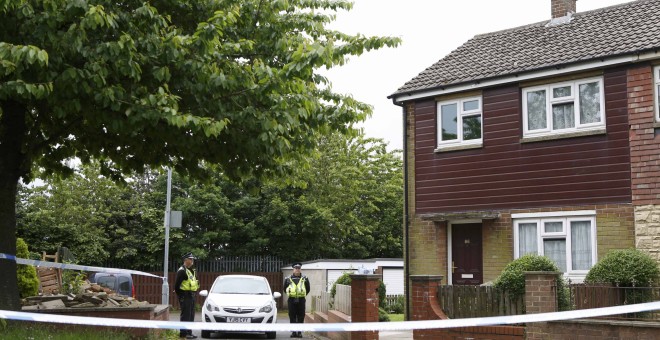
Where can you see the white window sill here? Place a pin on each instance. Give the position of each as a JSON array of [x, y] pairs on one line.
[[575, 277], [457, 147], [555, 136]]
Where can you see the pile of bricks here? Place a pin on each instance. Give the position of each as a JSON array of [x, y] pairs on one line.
[[91, 296]]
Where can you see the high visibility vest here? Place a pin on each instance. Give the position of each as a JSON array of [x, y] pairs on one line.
[[190, 284], [297, 290]]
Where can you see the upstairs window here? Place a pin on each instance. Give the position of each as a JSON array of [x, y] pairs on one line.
[[459, 122], [563, 108], [656, 86]]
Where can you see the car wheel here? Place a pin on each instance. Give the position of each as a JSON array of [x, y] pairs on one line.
[[271, 335], [206, 334]]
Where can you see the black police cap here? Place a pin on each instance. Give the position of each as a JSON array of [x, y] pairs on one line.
[[189, 255]]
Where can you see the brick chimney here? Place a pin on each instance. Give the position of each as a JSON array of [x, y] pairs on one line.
[[561, 8]]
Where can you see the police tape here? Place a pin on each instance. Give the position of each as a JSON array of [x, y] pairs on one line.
[[73, 266], [331, 327]]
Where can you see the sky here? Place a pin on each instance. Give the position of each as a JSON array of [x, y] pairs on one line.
[[429, 29]]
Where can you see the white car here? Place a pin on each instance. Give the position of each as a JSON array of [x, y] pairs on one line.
[[240, 298]]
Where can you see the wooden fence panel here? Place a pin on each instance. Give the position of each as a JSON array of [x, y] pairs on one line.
[[597, 295], [321, 303], [343, 299], [477, 301]]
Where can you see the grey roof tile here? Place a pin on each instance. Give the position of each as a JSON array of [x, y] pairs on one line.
[[617, 30]]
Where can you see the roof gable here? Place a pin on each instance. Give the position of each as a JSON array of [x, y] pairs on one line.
[[624, 29]]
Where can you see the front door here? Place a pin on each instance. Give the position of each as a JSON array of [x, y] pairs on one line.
[[466, 254]]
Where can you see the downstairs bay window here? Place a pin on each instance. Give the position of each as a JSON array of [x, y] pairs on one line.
[[568, 240]]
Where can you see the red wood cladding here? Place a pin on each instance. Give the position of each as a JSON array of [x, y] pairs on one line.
[[508, 174]]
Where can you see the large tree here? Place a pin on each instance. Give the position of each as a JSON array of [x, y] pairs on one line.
[[165, 82]]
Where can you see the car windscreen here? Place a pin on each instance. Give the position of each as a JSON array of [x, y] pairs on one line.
[[241, 286]]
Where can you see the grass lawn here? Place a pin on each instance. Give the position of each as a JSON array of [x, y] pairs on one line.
[[21, 330], [396, 317]]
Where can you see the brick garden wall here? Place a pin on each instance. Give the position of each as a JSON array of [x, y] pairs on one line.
[[427, 307], [540, 298], [149, 312], [602, 330]]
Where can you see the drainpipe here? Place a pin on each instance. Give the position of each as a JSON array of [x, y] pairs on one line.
[[405, 208]]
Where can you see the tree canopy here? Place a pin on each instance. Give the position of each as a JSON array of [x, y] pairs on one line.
[[165, 82]]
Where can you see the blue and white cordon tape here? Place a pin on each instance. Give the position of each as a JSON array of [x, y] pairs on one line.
[[73, 266], [331, 327], [306, 327]]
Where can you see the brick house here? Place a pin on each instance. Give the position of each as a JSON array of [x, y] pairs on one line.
[[537, 139]]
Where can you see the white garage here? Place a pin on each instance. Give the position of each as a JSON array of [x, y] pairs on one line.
[[322, 274], [393, 279]]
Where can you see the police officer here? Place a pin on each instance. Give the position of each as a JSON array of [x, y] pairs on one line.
[[186, 285], [297, 288]]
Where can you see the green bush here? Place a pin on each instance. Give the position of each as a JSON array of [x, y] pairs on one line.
[[382, 315], [512, 279], [28, 281], [625, 268], [397, 308], [382, 292], [344, 279], [72, 280]]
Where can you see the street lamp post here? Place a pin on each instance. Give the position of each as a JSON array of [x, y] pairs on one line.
[[166, 286]]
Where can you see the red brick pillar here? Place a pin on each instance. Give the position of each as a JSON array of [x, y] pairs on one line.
[[364, 303], [425, 305], [540, 297], [541, 292]]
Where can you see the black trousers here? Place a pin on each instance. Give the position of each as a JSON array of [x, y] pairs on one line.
[[296, 310], [187, 304]]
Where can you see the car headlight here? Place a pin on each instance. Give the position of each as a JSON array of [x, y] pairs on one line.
[[210, 307], [266, 309]]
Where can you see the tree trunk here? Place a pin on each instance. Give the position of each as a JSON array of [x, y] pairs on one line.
[[9, 299], [12, 137]]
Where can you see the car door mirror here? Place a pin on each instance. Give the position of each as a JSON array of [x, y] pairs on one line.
[[204, 293], [277, 295]]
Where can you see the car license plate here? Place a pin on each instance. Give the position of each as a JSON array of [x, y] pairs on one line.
[[233, 319]]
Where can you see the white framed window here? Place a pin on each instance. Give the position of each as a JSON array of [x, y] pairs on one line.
[[563, 108], [569, 241], [656, 86], [459, 122]]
